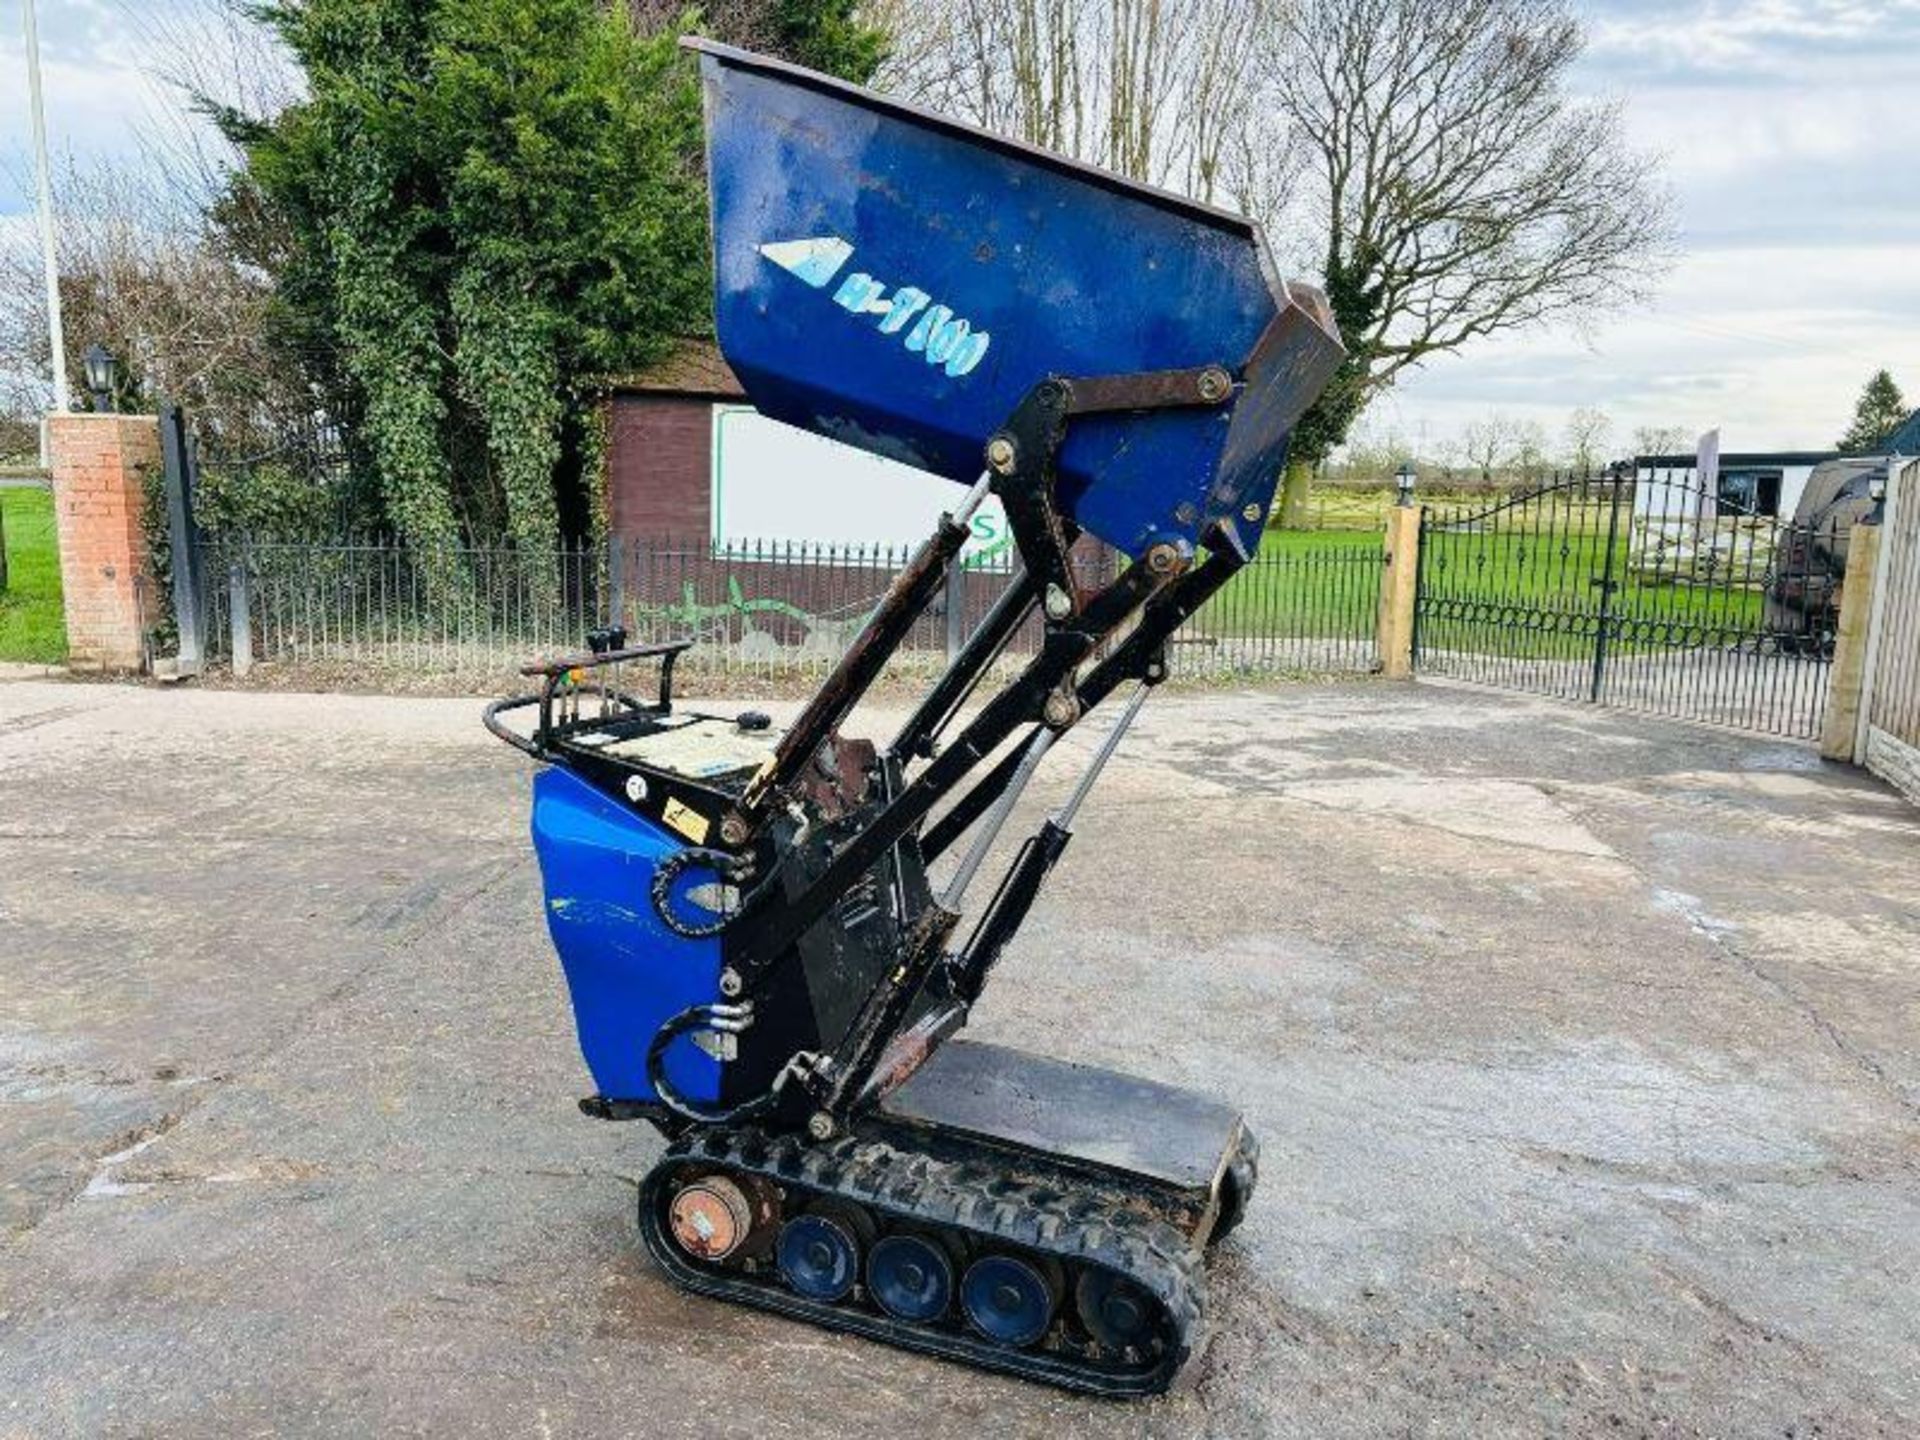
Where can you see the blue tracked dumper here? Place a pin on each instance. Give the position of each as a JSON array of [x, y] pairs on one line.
[[771, 938]]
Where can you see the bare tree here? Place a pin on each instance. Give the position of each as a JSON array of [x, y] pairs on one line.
[[1372, 453], [141, 274], [145, 265], [1587, 433], [1165, 91], [204, 55], [1485, 444], [1527, 451], [1462, 191], [1662, 440]]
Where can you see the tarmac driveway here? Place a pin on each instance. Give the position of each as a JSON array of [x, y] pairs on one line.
[[1582, 1048]]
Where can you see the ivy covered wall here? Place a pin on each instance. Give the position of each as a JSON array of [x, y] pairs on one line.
[[477, 205]]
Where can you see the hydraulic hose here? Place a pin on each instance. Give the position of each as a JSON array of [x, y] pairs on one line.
[[671, 869], [726, 1020], [723, 865]]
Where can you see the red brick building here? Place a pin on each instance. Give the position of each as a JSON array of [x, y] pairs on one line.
[[661, 500], [660, 444]]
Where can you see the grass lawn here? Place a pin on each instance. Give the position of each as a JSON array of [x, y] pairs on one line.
[[1303, 582], [1513, 591], [32, 627], [1560, 574]]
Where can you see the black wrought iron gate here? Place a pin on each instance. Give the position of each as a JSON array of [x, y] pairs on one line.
[[1648, 593]]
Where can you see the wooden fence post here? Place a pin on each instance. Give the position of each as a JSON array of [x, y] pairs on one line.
[[1399, 570], [1893, 547], [1841, 725]]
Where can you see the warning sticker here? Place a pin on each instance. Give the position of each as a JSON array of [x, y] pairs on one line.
[[687, 820]]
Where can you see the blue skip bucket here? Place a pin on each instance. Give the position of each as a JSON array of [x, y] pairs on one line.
[[898, 281]]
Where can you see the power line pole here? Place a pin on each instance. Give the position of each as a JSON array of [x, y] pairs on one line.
[[56, 335]]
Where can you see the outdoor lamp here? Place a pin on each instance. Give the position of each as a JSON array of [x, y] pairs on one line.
[[1403, 483], [102, 373], [1877, 487]]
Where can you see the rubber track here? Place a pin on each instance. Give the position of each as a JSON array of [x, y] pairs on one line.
[[1243, 1175], [1052, 1214]]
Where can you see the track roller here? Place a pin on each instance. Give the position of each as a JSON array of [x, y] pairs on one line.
[[1011, 1298], [820, 1251], [913, 1275]]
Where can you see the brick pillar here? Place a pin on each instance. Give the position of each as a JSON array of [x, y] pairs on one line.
[[98, 462]]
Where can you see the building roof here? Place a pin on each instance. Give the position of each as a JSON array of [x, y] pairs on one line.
[[1739, 460], [1905, 440], [695, 367]]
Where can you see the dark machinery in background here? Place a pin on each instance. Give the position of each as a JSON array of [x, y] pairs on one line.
[[770, 938], [1802, 606]]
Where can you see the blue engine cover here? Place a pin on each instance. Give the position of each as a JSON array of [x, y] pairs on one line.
[[626, 971]]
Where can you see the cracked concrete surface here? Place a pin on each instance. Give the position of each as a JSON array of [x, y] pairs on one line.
[[1582, 1049]]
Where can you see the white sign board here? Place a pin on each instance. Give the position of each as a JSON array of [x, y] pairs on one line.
[[774, 484], [1706, 470]]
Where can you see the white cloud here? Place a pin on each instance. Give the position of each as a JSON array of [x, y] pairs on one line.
[[1772, 345], [112, 71], [1711, 135], [1789, 133], [1745, 38], [1789, 129]]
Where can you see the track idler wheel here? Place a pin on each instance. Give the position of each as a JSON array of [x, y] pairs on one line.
[[1117, 1313], [912, 1276], [1010, 1298], [820, 1252]]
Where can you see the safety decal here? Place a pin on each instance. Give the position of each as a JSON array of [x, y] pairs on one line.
[[687, 820]]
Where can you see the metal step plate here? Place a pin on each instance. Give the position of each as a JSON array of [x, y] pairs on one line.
[[1079, 1114]]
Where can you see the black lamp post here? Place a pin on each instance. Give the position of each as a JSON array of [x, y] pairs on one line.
[[103, 375], [1403, 482]]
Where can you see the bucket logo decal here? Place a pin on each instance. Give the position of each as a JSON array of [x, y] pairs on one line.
[[931, 331]]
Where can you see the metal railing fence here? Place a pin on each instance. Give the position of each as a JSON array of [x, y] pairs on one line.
[[1643, 593], [378, 612]]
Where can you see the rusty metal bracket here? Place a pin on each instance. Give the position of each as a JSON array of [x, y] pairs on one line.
[[1199, 386]]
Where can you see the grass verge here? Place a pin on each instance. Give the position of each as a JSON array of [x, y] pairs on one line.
[[33, 627]]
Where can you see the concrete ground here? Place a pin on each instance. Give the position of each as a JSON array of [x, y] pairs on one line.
[[1582, 1047]]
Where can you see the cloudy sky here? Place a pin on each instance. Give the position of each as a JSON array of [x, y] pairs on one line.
[[1791, 133]]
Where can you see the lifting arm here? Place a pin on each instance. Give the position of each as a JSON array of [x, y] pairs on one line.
[[1156, 593]]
